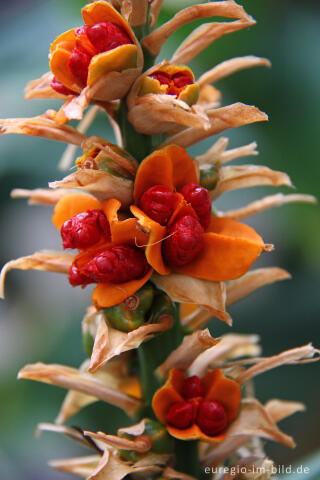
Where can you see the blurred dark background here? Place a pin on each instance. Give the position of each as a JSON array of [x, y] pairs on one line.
[[40, 320]]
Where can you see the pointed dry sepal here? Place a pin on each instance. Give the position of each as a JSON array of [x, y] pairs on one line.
[[155, 7], [74, 433], [191, 347], [41, 88], [244, 176], [229, 9], [43, 126], [228, 67], [221, 119], [140, 443], [80, 466], [136, 12], [47, 261], [218, 153], [72, 379], [40, 196], [304, 354], [110, 342], [252, 281], [265, 203], [229, 347], [185, 289]]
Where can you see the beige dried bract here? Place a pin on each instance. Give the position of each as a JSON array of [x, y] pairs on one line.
[[185, 289], [44, 126], [41, 196], [191, 347], [218, 153], [244, 176], [110, 342], [141, 444], [280, 409], [72, 379], [251, 281], [221, 119], [47, 261], [154, 41], [79, 466], [229, 347], [41, 88], [265, 203]]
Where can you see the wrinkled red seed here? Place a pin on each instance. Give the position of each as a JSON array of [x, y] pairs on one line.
[[180, 415], [158, 202], [211, 418], [106, 35], [184, 243], [117, 264], [199, 198], [85, 229], [76, 278], [182, 79], [78, 64], [60, 88], [193, 387], [162, 77]]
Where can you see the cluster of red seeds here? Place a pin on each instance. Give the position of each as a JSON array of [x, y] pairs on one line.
[[115, 264], [210, 416], [90, 41], [185, 235], [175, 82]]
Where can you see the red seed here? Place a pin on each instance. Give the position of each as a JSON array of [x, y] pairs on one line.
[[76, 278], [60, 88], [117, 264], [193, 387], [162, 77], [106, 36], [182, 79], [85, 229], [199, 198], [78, 64], [184, 243], [180, 415], [158, 202], [211, 418]]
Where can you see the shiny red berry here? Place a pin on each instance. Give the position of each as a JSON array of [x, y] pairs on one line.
[[78, 64], [76, 278], [85, 229], [199, 198], [60, 88], [184, 242], [158, 202], [117, 264], [182, 79], [162, 77], [212, 418], [193, 387], [105, 36], [180, 415]]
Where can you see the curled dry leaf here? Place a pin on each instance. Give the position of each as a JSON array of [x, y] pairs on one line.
[[141, 444], [72, 379], [217, 154], [47, 261], [228, 67], [229, 347], [41, 88], [265, 203], [110, 342], [134, 430], [154, 41], [244, 176], [251, 281], [41, 196], [280, 409], [304, 354], [185, 289], [43, 126], [221, 119], [101, 184], [191, 346], [80, 466], [74, 433]]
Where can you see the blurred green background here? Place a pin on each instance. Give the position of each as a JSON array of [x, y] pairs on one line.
[[40, 319]]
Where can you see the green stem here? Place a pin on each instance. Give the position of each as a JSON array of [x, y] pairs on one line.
[[187, 457]]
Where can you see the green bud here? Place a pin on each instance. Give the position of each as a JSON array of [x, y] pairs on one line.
[[130, 314], [162, 442], [88, 342], [209, 177], [162, 305], [130, 455]]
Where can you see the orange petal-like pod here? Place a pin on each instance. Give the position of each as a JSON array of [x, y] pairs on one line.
[[194, 433], [110, 294], [224, 390], [170, 393], [230, 248], [170, 166], [71, 205], [102, 11]]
